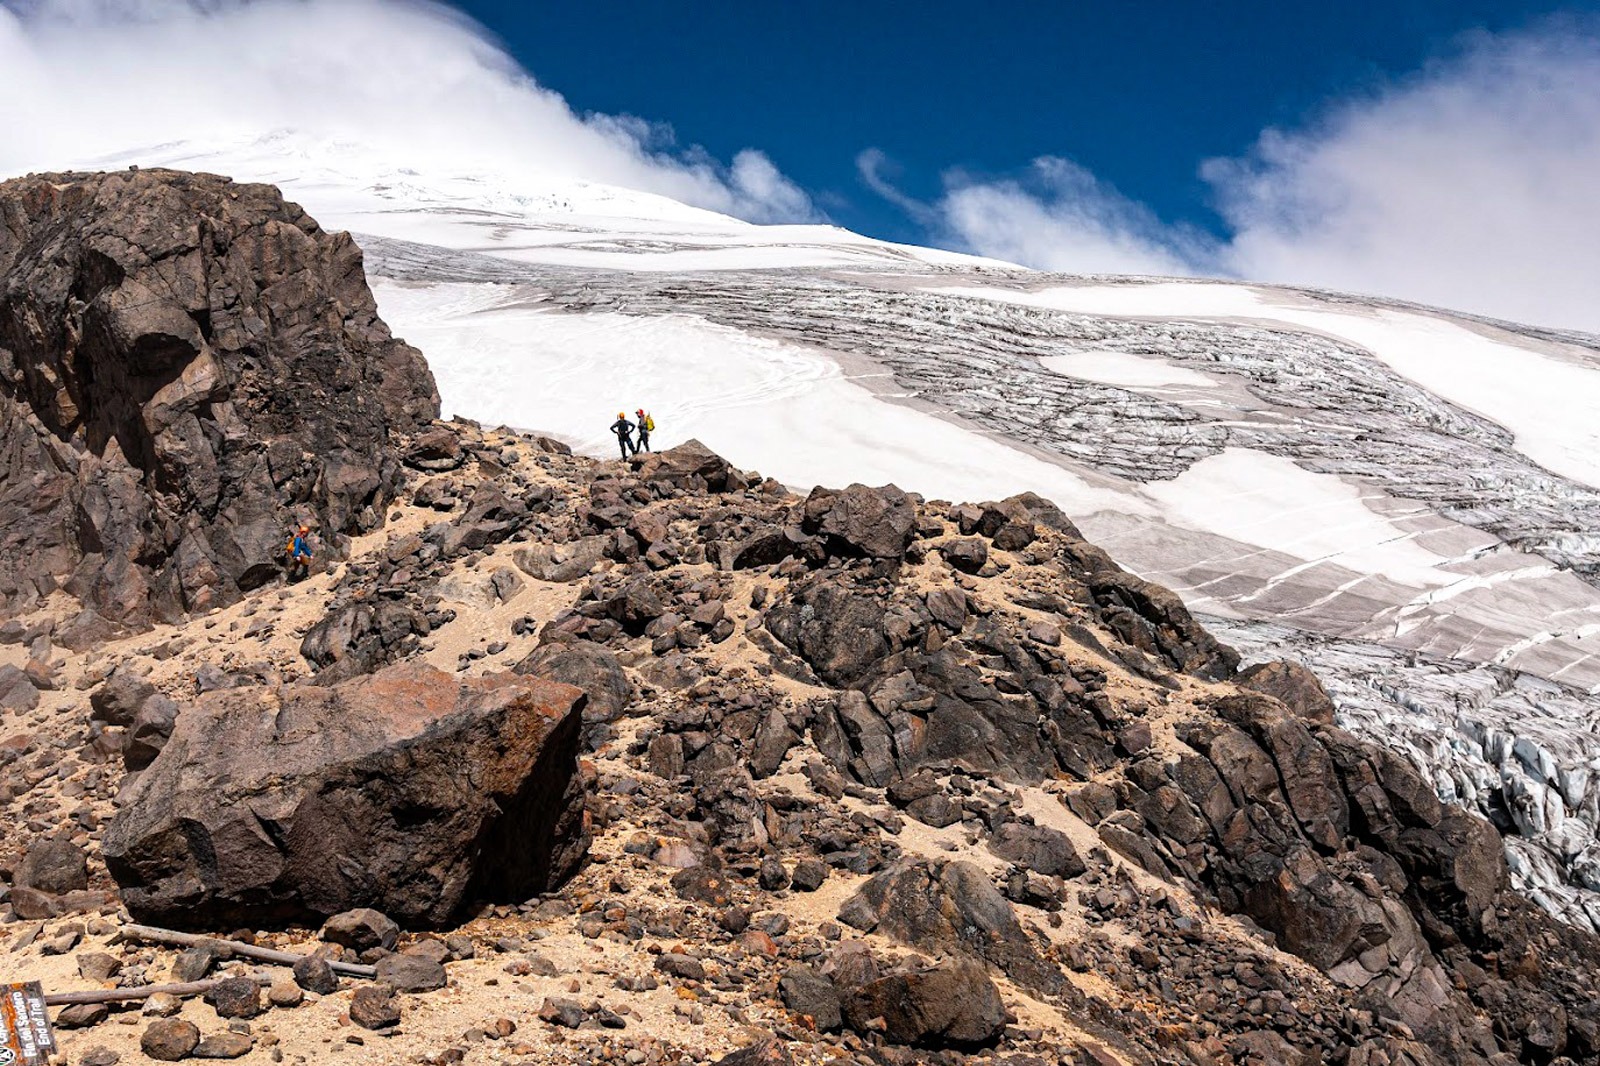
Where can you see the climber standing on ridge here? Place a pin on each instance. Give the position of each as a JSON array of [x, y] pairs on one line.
[[299, 554], [624, 431], [646, 424]]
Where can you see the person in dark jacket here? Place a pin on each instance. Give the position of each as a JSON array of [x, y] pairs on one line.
[[624, 431], [645, 424]]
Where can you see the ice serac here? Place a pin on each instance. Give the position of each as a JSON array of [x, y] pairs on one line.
[[406, 791], [187, 366]]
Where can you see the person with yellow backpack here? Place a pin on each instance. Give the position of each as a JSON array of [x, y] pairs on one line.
[[298, 554], [646, 424]]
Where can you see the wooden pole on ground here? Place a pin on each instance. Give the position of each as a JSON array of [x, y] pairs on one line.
[[124, 995], [149, 934]]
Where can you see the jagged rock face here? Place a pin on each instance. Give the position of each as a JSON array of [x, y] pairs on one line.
[[188, 366], [404, 791]]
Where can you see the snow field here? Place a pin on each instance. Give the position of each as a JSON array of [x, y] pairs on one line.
[[790, 413]]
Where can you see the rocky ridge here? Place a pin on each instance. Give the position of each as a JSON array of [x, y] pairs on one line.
[[855, 751]]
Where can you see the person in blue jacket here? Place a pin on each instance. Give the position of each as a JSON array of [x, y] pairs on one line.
[[300, 554]]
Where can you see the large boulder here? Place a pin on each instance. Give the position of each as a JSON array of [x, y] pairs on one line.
[[691, 467], [1038, 848], [119, 697], [950, 907], [17, 693], [55, 866], [587, 666], [877, 523], [407, 791], [356, 638], [188, 367], [949, 1005], [839, 633], [1154, 620], [1295, 686], [149, 731]]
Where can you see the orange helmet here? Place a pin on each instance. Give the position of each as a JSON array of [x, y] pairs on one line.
[[622, 414], [305, 529]]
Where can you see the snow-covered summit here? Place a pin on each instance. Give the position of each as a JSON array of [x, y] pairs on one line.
[[525, 215]]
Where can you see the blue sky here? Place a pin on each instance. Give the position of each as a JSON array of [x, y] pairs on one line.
[[1140, 95], [1443, 151]]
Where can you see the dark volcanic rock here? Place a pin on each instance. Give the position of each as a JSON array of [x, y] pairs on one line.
[[1155, 621], [82, 1016], [169, 1039], [951, 1005], [188, 367], [429, 790], [314, 974], [1038, 848], [375, 1007], [362, 929], [235, 997], [225, 1045], [950, 907], [411, 973], [1295, 686], [54, 866], [691, 467], [436, 449], [357, 638], [17, 692], [839, 633], [877, 523], [967, 554], [587, 666], [805, 991], [119, 697], [149, 731]]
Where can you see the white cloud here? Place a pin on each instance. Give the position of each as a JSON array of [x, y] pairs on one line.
[[1472, 184], [1060, 217], [1469, 185], [81, 79]]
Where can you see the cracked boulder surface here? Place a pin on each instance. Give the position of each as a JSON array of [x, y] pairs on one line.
[[189, 368], [420, 791]]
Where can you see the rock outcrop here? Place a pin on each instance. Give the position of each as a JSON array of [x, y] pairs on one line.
[[188, 367], [407, 791]]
